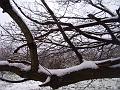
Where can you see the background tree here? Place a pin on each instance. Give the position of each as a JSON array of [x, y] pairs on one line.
[[62, 39]]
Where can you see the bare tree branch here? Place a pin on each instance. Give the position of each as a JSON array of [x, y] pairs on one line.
[[6, 6], [103, 8], [107, 28], [63, 33], [55, 78]]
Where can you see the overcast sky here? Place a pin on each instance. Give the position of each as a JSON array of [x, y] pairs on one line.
[[4, 17]]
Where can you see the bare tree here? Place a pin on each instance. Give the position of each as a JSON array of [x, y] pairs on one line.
[[51, 33]]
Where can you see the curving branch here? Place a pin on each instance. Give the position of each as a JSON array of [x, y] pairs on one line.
[[6, 6], [16, 50]]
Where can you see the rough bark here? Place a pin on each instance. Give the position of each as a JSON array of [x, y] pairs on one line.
[[109, 68]]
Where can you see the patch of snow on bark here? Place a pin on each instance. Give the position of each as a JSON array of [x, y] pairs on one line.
[[84, 65], [20, 65], [115, 66], [4, 62]]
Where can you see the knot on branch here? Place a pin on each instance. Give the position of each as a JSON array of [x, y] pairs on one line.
[[5, 5]]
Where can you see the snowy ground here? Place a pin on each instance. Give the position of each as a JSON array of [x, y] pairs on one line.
[[106, 84], [29, 85]]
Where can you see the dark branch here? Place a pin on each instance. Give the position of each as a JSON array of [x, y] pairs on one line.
[[24, 28], [63, 33], [103, 8], [15, 51], [10, 81], [114, 39]]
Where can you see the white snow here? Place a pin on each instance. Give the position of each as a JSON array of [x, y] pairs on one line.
[[84, 65], [4, 62], [111, 59], [20, 65], [100, 84], [29, 85], [115, 66]]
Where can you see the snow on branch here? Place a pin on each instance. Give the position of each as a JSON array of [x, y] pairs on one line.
[[109, 68], [110, 63], [84, 65], [21, 66]]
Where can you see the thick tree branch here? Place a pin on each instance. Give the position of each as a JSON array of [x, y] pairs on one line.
[[109, 68], [98, 69], [6, 6]]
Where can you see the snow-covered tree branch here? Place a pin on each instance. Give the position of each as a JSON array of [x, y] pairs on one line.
[[56, 78], [53, 39]]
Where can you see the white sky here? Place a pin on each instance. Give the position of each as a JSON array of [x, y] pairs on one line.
[[4, 17]]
